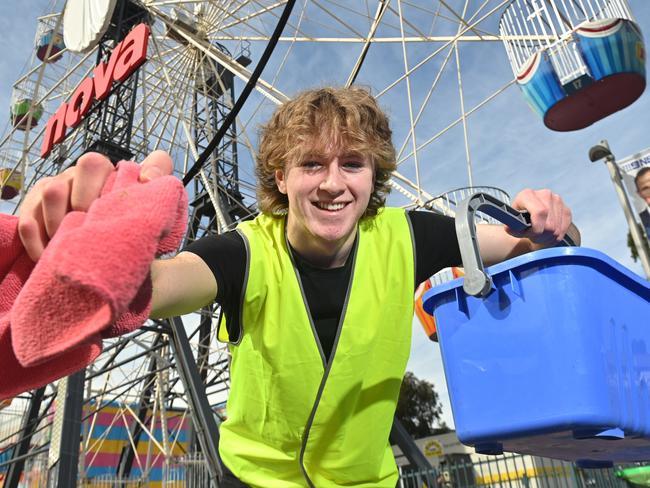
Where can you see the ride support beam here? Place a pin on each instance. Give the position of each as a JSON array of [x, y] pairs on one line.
[[400, 436], [204, 423], [30, 421], [68, 464], [127, 456]]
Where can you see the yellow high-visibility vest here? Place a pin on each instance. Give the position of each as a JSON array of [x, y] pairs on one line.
[[294, 419]]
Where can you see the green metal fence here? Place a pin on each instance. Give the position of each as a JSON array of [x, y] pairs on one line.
[[509, 471]]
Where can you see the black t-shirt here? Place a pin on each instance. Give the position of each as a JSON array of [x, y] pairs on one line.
[[436, 248]]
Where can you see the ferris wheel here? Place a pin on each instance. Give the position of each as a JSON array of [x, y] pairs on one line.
[[422, 60]]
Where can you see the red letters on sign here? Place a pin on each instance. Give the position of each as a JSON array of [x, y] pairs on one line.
[[55, 129], [79, 103], [133, 52], [126, 57], [103, 75]]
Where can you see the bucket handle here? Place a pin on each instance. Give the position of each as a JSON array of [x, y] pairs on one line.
[[476, 281]]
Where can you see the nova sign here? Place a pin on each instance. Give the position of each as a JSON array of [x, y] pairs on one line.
[[126, 57]]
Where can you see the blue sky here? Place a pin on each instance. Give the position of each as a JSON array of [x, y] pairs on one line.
[[510, 148]]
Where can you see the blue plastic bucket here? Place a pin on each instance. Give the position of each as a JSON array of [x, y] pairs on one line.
[[554, 362]]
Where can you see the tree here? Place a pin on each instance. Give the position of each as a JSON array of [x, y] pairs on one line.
[[634, 253], [418, 407]]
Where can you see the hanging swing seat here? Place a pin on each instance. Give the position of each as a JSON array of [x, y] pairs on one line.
[[581, 68], [56, 40], [615, 77], [11, 183], [20, 114]]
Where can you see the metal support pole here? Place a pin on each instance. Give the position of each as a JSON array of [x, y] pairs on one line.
[[203, 416], [602, 151], [617, 179], [127, 456], [68, 464], [30, 421], [400, 436], [202, 362]]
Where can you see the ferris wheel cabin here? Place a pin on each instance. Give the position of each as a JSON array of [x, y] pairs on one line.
[[11, 182], [576, 61], [25, 114], [53, 38]]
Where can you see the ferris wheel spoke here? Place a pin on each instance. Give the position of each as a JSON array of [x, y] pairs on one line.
[[221, 12], [232, 66], [222, 220], [416, 32], [338, 19], [463, 117], [247, 18], [297, 28], [424, 104], [177, 103], [232, 11], [379, 14], [237, 22], [424, 10], [155, 98], [40, 100], [345, 8], [410, 103], [460, 18], [446, 44], [460, 119]]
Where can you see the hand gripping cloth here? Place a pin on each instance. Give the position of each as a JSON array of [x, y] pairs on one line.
[[92, 281], [15, 268]]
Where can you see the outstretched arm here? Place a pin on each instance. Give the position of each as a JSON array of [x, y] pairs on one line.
[[181, 285]]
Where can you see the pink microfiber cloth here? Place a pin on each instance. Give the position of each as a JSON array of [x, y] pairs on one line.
[[15, 268], [92, 280], [16, 378]]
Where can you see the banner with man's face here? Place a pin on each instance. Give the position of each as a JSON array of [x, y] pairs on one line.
[[638, 190]]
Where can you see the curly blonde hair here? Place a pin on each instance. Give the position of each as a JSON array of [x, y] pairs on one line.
[[347, 118]]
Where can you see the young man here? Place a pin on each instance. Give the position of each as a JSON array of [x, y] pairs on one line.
[[317, 291], [642, 182]]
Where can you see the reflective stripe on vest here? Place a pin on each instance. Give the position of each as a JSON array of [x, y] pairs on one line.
[[293, 419]]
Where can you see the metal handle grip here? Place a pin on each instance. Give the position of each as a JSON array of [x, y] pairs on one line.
[[477, 282]]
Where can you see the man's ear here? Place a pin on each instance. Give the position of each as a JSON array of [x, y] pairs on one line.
[[280, 181]]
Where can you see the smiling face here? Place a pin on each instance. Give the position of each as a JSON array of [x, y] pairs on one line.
[[320, 120], [643, 186], [328, 192]]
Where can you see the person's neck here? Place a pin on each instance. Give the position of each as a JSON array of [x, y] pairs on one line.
[[322, 254]]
